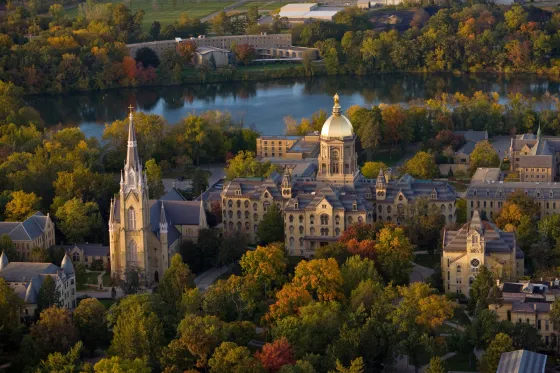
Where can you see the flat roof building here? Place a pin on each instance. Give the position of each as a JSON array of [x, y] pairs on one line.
[[303, 12]]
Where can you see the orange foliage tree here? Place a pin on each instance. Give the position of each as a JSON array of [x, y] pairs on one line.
[[276, 354]]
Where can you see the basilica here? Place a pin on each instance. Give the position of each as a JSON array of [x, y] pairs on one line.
[[323, 193], [144, 233]]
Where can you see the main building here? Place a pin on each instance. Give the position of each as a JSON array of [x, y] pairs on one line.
[[322, 193]]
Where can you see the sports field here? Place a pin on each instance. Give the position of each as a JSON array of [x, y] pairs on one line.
[[264, 5], [168, 11]]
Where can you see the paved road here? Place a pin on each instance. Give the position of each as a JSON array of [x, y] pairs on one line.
[[501, 145], [420, 274], [205, 279]]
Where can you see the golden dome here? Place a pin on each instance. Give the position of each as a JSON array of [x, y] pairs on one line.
[[337, 125]]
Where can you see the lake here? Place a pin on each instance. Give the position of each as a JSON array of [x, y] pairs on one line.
[[263, 105]]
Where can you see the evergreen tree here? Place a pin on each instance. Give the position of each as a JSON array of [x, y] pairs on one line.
[[155, 185], [491, 358], [271, 227], [436, 366], [48, 295]]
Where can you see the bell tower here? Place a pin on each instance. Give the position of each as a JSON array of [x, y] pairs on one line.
[[380, 186], [286, 184]]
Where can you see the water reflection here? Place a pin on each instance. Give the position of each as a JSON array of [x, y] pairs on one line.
[[264, 104]]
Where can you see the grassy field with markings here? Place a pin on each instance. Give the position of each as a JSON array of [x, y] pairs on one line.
[[169, 11]]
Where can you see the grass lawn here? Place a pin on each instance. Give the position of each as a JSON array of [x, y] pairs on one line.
[[91, 278], [263, 5], [165, 12], [107, 302], [427, 260], [462, 362]]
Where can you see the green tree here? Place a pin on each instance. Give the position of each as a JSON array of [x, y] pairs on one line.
[[199, 182], [221, 23], [39, 255], [233, 246], [79, 221], [117, 364], [8, 247], [155, 29], [491, 358], [436, 366], [57, 362], [22, 205], [231, 358], [10, 304], [155, 184], [201, 335], [137, 333], [252, 15], [48, 295], [81, 275], [482, 290], [177, 279], [394, 255], [54, 332], [271, 227], [356, 270], [147, 57], [422, 166], [484, 155], [370, 170], [244, 164], [89, 318]]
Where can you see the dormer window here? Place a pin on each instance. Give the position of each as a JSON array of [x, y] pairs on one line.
[[551, 194], [238, 192], [355, 206], [474, 192], [474, 239], [434, 195], [265, 194], [487, 193]]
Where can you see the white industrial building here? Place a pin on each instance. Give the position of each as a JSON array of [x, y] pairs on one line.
[[305, 12]]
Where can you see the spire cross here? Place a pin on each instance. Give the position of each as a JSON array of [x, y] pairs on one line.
[[130, 107]]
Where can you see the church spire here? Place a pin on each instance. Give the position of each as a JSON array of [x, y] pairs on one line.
[[132, 159], [539, 133]]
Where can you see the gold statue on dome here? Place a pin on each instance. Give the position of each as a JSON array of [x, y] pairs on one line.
[[336, 99]]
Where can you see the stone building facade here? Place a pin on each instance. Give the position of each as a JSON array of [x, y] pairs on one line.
[[27, 278], [144, 233], [478, 243], [321, 196], [535, 158], [35, 231], [489, 197]]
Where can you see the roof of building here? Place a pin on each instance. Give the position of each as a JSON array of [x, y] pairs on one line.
[[522, 361], [487, 174], [339, 197], [467, 148], [337, 125], [475, 136], [206, 50], [502, 189], [28, 230], [175, 213], [90, 249], [496, 241], [173, 195], [24, 271], [512, 287], [254, 187], [412, 188], [66, 265]]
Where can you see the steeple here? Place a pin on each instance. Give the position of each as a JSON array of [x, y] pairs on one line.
[[132, 159], [380, 182], [162, 219], [286, 184], [539, 135]]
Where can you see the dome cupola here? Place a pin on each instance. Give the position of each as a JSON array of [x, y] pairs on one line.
[[337, 125]]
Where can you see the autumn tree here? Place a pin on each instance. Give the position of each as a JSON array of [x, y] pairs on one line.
[[155, 183], [422, 166], [436, 366], [54, 332], [491, 358], [271, 227], [517, 206], [356, 366], [39, 255], [231, 358], [244, 53], [321, 277], [187, 50], [275, 355], [57, 362], [89, 318], [233, 299], [22, 205], [484, 155], [201, 335], [370, 170], [267, 264]]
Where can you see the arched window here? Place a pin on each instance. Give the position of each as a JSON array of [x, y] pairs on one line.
[[255, 228], [239, 226], [301, 243], [76, 257], [443, 207], [312, 219], [291, 218], [255, 217], [389, 209], [301, 219], [246, 214], [291, 229], [350, 220], [230, 214], [266, 205], [400, 209], [238, 203], [312, 231], [230, 203], [247, 226], [337, 220], [131, 218], [246, 204], [255, 207], [132, 252], [380, 208], [324, 219], [301, 229], [230, 226], [458, 268], [389, 218], [360, 219], [291, 242], [337, 232], [238, 214]]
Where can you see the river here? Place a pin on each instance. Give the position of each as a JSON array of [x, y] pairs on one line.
[[263, 105]]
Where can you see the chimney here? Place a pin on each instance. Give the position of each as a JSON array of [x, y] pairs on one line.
[[498, 282]]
